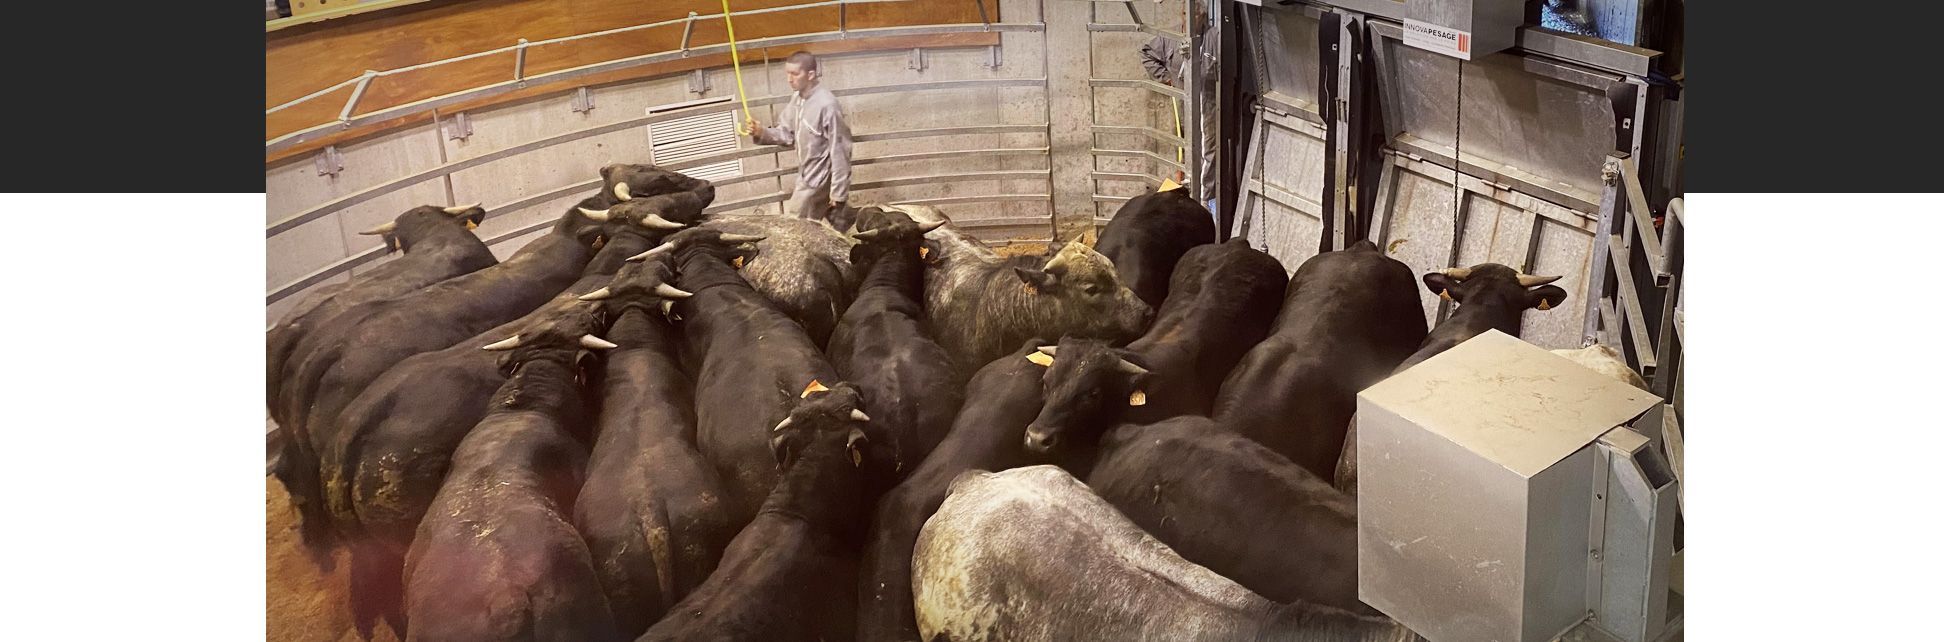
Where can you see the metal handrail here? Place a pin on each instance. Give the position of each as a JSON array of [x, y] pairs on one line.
[[1626, 221], [347, 121]]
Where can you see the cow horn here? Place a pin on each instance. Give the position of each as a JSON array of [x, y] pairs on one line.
[[621, 191], [1459, 274], [656, 222], [779, 427], [1049, 350], [859, 415], [508, 343], [928, 227], [1129, 368], [667, 291], [382, 229], [665, 247], [598, 215], [867, 235], [596, 343], [742, 238], [596, 295], [461, 209], [1527, 280], [668, 310]]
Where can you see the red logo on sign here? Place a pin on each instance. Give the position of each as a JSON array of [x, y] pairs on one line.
[[1464, 42]]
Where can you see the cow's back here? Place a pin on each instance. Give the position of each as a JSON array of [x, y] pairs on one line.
[[1148, 236]]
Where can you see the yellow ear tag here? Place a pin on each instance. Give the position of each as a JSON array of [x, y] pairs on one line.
[[398, 244], [1444, 294], [1040, 358], [923, 252], [738, 262], [471, 225], [1139, 398], [815, 386], [1545, 305], [1168, 186], [857, 458]]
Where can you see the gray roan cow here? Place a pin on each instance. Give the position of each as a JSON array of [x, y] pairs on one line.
[[652, 508], [1490, 297], [1222, 302], [497, 557], [1148, 236], [981, 305], [787, 576], [1350, 316], [438, 245], [1000, 400], [750, 361], [372, 337], [803, 266], [909, 384], [394, 443], [1032, 554]]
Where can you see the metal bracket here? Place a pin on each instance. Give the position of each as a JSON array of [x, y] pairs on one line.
[[993, 57], [329, 162], [458, 127], [519, 64], [584, 100], [688, 27], [698, 82], [917, 61]]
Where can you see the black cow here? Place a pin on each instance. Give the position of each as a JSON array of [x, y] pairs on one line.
[[394, 443], [496, 558], [1350, 317], [1031, 554], [802, 266], [652, 508], [999, 401], [750, 361], [909, 384], [1149, 234], [372, 337], [981, 305], [1225, 502], [672, 190], [1490, 297], [787, 576], [1222, 302], [437, 244]]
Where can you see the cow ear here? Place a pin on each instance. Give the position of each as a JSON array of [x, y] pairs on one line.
[[1545, 297], [1443, 286], [473, 220], [929, 251], [1037, 279]]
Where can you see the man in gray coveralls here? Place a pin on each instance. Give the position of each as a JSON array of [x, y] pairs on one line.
[[814, 125]]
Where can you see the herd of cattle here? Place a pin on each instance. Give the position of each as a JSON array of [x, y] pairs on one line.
[[759, 428]]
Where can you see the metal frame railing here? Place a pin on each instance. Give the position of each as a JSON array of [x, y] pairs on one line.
[[445, 169], [1637, 271], [1189, 97], [519, 80]]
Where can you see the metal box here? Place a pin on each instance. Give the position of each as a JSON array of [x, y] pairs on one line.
[[1463, 29], [1478, 476]]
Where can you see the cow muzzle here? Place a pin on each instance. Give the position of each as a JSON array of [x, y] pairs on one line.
[[1040, 440]]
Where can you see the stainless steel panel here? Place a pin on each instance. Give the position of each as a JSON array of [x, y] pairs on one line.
[[1291, 36]]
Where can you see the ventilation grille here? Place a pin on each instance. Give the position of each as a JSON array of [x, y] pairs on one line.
[[682, 139]]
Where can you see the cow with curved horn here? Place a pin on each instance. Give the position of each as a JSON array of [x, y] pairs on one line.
[[497, 557], [801, 265], [662, 200], [1348, 319], [375, 336], [788, 575], [651, 510], [394, 442], [438, 245], [907, 380], [751, 362], [980, 305], [1489, 297]]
